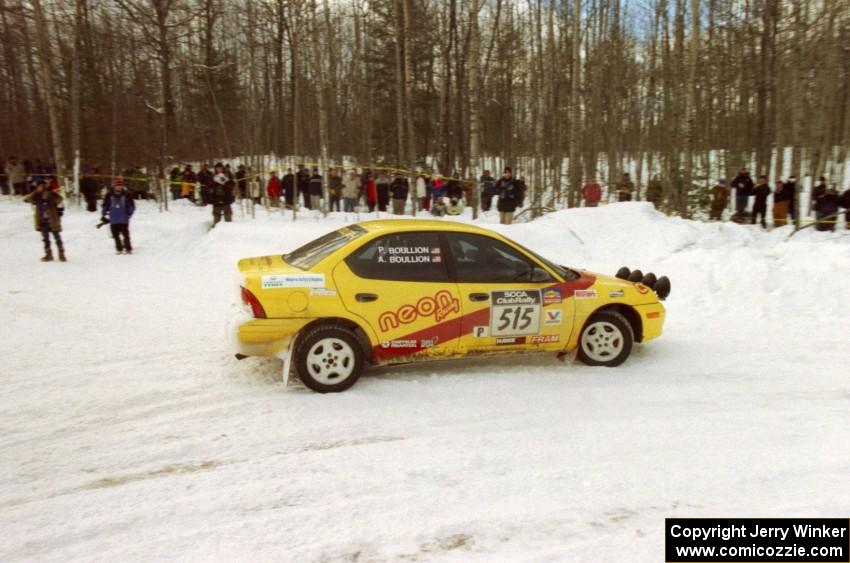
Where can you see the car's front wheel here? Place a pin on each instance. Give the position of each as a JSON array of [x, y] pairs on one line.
[[606, 339], [328, 359]]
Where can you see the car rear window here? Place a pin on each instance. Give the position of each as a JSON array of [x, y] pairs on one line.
[[307, 256]]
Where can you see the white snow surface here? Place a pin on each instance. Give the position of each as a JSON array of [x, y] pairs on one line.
[[130, 433]]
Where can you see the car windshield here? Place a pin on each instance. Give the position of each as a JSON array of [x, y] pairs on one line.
[[307, 256], [562, 271]]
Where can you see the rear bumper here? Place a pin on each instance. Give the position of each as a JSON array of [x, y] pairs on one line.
[[264, 337], [652, 319]]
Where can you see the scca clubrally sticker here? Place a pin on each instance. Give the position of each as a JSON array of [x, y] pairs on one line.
[[515, 312]]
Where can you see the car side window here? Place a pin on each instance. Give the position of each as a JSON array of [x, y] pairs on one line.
[[401, 257], [482, 259]]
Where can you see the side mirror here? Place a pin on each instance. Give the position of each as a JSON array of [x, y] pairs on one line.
[[539, 275]]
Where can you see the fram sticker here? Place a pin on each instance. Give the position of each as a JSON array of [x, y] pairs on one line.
[[277, 281], [551, 296], [553, 317], [585, 294], [544, 338], [481, 331], [618, 293]]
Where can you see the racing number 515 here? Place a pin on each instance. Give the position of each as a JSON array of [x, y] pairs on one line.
[[517, 318]]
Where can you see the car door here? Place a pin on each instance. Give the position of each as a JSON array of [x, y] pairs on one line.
[[399, 285], [509, 300]]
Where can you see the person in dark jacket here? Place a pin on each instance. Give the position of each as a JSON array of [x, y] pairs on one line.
[[790, 189], [205, 179], [522, 190], [780, 205], [453, 186], [508, 196], [315, 190], [118, 206], [719, 199], [221, 196], [174, 178], [303, 180], [242, 181], [817, 194], [488, 190], [761, 191], [625, 188], [655, 191], [383, 186], [399, 189], [743, 185], [48, 219], [289, 188], [826, 207], [90, 190], [334, 189]]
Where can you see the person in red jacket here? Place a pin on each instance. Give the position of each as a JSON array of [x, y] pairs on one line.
[[273, 190], [592, 193], [371, 192]]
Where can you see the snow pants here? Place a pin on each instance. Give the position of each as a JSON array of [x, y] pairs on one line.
[[398, 206], [759, 211], [45, 237], [222, 209], [120, 232]]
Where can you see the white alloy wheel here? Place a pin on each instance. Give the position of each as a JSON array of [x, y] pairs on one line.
[[330, 361], [602, 341]]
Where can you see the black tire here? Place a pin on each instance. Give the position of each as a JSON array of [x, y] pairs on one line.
[[623, 273], [328, 359], [605, 340]]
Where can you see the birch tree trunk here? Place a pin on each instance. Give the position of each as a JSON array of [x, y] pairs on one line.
[[45, 55], [575, 167]]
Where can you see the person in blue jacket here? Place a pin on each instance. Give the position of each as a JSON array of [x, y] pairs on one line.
[[118, 207]]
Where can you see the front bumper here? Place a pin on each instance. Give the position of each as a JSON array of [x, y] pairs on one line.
[[652, 319]]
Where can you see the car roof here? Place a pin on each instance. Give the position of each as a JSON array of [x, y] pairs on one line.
[[400, 225]]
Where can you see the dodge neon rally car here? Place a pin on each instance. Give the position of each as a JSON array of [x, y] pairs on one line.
[[405, 290]]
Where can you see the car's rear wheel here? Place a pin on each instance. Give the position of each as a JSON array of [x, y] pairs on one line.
[[606, 339], [328, 359]]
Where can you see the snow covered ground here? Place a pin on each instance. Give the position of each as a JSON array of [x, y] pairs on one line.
[[131, 433]]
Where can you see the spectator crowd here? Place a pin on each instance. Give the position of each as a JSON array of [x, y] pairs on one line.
[[350, 190]]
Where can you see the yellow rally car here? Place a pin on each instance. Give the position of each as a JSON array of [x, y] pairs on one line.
[[405, 290]]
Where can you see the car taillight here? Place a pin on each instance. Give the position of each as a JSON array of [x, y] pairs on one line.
[[256, 307]]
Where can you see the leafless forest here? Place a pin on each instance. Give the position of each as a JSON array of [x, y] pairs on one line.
[[570, 89]]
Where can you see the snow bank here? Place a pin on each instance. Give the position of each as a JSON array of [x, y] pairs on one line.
[[131, 433]]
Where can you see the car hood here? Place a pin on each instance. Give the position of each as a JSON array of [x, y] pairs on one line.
[[634, 293]]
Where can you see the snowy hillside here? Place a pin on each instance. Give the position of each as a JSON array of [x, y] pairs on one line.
[[131, 433]]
